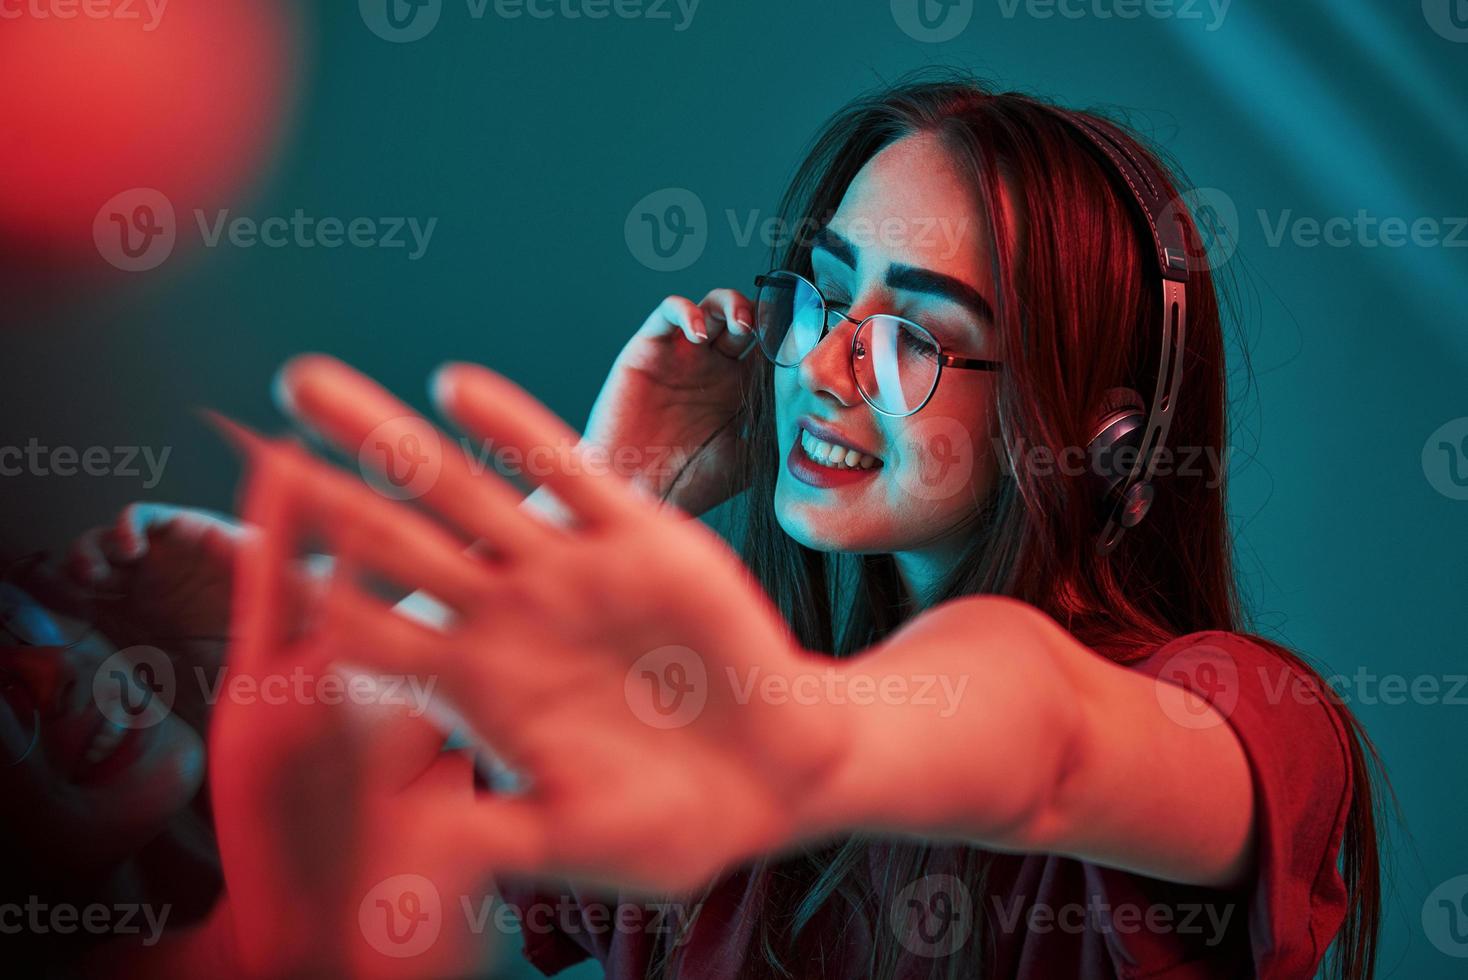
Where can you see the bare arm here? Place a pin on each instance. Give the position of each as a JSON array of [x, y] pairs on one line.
[[1034, 743]]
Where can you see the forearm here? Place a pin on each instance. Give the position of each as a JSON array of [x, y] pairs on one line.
[[1033, 743], [946, 747]]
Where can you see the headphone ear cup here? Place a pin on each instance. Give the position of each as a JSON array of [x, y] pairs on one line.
[[1119, 423]]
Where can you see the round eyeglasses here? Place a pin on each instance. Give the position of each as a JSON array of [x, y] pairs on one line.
[[895, 362]]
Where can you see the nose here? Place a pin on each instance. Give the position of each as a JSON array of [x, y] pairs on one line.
[[827, 367]]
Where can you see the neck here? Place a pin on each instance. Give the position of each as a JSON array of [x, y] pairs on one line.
[[923, 569]]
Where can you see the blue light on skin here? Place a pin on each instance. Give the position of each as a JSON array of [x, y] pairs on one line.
[[911, 239]]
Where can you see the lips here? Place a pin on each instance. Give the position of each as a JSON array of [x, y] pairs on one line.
[[835, 455], [829, 434], [821, 456]]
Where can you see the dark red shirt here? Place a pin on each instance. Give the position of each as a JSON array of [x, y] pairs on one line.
[[1044, 916]]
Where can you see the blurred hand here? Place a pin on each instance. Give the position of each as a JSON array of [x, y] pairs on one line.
[[331, 809], [604, 660], [159, 575]]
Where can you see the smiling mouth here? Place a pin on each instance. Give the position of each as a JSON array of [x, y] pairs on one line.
[[835, 455]]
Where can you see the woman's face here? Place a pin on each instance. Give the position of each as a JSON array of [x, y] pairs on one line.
[[77, 791], [910, 238]]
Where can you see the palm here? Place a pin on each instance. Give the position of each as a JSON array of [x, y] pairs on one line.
[[646, 636], [617, 662]]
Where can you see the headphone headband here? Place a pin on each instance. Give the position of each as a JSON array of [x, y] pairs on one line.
[[1133, 496]]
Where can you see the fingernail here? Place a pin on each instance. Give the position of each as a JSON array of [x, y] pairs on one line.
[[743, 325], [700, 330], [440, 383]]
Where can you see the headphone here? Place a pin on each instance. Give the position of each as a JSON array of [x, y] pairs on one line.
[[1126, 437]]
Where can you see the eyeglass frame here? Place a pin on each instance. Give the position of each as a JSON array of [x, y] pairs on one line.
[[944, 360]]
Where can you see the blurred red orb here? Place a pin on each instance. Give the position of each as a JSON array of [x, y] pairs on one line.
[[185, 98]]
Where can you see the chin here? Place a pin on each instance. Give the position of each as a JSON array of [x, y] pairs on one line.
[[822, 528]]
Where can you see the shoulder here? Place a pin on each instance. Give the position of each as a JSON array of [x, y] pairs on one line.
[[1290, 720]]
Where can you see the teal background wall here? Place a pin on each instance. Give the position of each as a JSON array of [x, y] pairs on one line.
[[531, 141]]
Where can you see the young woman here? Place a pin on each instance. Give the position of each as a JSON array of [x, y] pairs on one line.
[[927, 727]]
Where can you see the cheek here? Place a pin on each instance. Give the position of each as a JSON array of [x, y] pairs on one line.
[[945, 459]]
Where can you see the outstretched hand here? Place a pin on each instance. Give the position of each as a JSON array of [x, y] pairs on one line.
[[617, 663]]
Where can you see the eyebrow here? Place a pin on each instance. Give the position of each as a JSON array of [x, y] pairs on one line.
[[910, 278]]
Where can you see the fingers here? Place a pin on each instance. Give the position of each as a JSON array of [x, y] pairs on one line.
[[502, 833], [676, 314], [731, 316], [87, 562], [722, 320], [365, 632], [491, 406], [364, 635], [290, 495], [363, 529], [263, 562], [97, 556], [379, 431]]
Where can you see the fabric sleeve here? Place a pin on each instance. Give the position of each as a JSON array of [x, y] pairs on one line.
[[1280, 923], [550, 938]]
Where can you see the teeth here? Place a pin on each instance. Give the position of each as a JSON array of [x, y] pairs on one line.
[[102, 744], [829, 454]]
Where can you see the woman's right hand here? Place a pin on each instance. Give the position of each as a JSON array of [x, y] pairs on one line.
[[676, 385]]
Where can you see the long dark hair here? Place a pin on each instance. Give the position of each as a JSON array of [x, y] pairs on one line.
[[1077, 313]]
